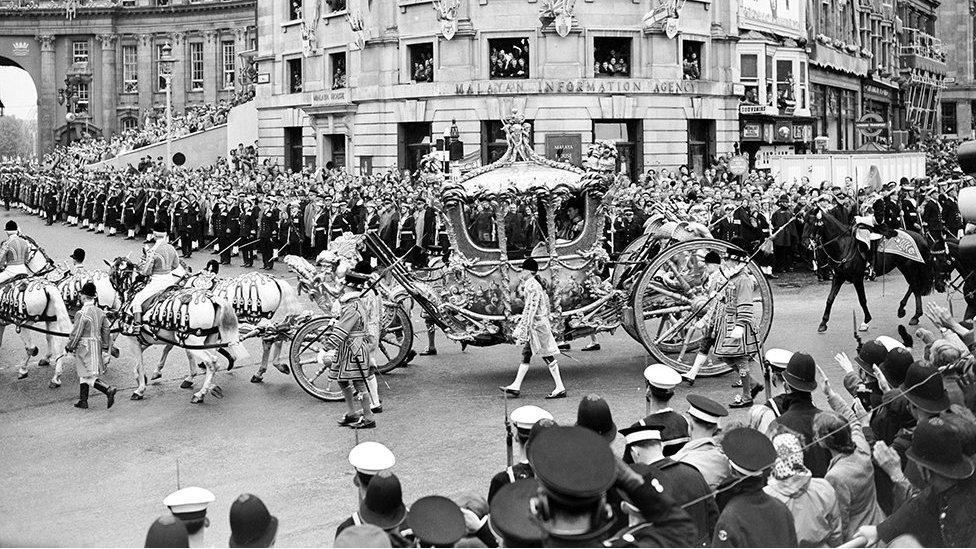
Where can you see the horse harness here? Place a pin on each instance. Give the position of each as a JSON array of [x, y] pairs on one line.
[[13, 305]]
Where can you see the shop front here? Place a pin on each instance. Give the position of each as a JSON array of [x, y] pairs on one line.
[[835, 108], [882, 100], [763, 136]]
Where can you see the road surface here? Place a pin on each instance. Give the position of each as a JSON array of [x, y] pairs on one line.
[[98, 477]]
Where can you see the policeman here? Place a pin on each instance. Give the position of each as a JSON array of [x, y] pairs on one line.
[[752, 518], [680, 480], [510, 517], [660, 381], [167, 531], [190, 506], [761, 416], [524, 418], [703, 451]]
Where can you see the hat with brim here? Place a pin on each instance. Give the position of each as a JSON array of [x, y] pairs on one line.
[[936, 446], [510, 517], [384, 519], [923, 388], [801, 373], [778, 358], [263, 541]]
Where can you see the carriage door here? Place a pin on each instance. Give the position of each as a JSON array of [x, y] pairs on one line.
[[701, 144]]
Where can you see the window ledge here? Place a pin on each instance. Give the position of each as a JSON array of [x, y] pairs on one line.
[[292, 23], [328, 17]]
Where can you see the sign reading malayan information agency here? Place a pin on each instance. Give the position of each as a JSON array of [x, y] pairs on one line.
[[585, 86]]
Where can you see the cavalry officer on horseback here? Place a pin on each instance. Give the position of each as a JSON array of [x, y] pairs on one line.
[[931, 216], [90, 337], [13, 253], [160, 263]]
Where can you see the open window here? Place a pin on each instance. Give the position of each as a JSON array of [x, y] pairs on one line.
[[337, 66], [421, 59], [335, 6], [508, 58], [749, 69], [294, 75], [294, 9], [691, 59], [415, 143], [612, 56]]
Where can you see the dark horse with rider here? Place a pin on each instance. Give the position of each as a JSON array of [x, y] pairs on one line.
[[925, 260]]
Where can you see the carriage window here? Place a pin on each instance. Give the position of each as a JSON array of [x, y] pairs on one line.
[[570, 219], [480, 220]]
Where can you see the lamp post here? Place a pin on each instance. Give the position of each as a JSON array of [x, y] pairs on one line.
[[166, 61], [69, 94]]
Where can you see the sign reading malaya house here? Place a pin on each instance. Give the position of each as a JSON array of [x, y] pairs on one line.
[[584, 86]]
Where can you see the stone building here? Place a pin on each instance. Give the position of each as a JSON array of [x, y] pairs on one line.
[[106, 53], [923, 62], [371, 85], [957, 31]]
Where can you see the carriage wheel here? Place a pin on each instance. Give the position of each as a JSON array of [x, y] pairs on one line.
[[312, 376], [663, 297], [396, 337]]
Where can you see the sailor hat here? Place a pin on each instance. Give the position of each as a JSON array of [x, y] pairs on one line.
[[662, 377], [189, 503], [889, 342], [524, 417], [778, 358], [371, 457]]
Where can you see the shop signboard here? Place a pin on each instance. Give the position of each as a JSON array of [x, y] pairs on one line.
[[784, 132], [752, 132], [871, 124], [739, 165], [565, 147], [784, 17]]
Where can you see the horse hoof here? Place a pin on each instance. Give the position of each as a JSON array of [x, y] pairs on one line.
[[863, 327], [43, 362], [256, 379], [186, 384], [913, 321], [196, 399], [32, 351], [217, 391], [283, 368], [901, 313], [53, 385], [136, 396], [22, 376], [156, 376], [822, 328]]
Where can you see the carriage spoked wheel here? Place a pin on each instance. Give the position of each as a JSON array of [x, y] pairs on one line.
[[312, 374], [670, 290]]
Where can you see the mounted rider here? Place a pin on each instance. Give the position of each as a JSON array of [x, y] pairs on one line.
[[14, 253], [931, 216], [162, 264]]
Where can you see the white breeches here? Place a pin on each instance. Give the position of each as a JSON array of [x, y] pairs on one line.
[[156, 284]]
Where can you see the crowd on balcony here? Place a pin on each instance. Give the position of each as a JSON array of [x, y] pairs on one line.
[[509, 60]]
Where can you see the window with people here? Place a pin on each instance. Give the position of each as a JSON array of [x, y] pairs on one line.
[[421, 57], [336, 5], [338, 64], [294, 9], [611, 56], [691, 59], [508, 58]]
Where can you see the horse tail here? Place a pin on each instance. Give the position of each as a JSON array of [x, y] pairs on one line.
[[288, 305], [228, 327]]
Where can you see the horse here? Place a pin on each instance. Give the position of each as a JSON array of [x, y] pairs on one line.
[[257, 298], [192, 318], [69, 284], [31, 301], [849, 258]]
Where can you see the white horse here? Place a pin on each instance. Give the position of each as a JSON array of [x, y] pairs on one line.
[[33, 301], [257, 298], [192, 318]]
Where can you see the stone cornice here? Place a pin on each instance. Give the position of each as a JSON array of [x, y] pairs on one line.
[[120, 12]]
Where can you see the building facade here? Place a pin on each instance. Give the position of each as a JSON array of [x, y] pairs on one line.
[[923, 62], [957, 30], [371, 85], [99, 59]]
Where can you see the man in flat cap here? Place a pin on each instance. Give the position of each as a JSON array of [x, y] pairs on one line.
[[751, 517], [681, 481], [524, 418], [190, 506], [703, 450]]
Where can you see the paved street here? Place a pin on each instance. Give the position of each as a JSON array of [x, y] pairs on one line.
[[97, 477]]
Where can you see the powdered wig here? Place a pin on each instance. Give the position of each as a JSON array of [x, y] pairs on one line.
[[833, 432]]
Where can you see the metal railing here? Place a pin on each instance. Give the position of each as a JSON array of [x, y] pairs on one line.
[[922, 44]]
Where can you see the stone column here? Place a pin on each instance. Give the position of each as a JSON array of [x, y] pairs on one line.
[[240, 45], [210, 66], [179, 71], [110, 91], [146, 74], [47, 102]]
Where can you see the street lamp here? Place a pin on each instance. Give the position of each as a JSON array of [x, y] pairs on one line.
[[166, 61]]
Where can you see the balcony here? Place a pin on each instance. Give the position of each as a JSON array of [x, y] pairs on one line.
[[922, 52]]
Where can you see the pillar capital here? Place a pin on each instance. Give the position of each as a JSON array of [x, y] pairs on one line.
[[145, 39], [178, 38], [210, 35], [46, 41], [108, 41]]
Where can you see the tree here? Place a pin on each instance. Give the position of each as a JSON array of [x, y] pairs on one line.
[[16, 137]]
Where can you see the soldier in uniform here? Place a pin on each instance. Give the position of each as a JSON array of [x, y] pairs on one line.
[[113, 210], [681, 481], [750, 517], [382, 505], [250, 220], [321, 226], [909, 210], [951, 218], [524, 418], [90, 337], [231, 224], [931, 219], [887, 213], [269, 232], [50, 204], [660, 381], [189, 505], [183, 225], [217, 219], [149, 211], [101, 198], [703, 450], [130, 213]]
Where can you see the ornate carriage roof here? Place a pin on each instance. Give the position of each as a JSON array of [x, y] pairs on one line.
[[521, 171]]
